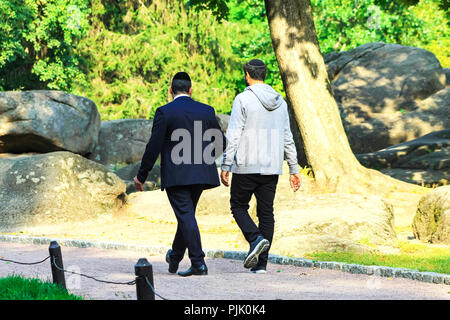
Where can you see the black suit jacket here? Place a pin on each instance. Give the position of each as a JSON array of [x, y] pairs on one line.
[[182, 113]]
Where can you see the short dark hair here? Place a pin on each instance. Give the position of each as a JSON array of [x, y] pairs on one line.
[[256, 69], [181, 82]]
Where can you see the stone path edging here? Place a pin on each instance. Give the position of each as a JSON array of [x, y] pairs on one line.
[[380, 271]]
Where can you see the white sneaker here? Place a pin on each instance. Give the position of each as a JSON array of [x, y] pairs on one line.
[[259, 271]]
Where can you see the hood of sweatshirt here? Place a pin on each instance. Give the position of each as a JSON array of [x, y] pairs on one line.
[[269, 98]]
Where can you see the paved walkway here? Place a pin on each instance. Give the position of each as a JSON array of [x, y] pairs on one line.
[[227, 279]]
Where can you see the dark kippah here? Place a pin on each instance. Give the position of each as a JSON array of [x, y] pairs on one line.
[[256, 63], [256, 69], [182, 76]]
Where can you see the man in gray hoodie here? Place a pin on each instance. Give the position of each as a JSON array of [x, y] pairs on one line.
[[259, 138]]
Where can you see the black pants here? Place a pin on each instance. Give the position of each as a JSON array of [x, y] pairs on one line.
[[183, 200], [243, 186]]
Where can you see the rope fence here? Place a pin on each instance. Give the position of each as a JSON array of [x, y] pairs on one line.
[[25, 263], [133, 282], [145, 289]]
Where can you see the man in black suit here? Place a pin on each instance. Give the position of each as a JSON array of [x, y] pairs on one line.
[[188, 137]]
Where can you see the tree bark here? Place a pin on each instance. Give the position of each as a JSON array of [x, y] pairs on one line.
[[310, 97]]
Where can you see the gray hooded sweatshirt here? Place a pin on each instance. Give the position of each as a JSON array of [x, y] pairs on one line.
[[258, 136]]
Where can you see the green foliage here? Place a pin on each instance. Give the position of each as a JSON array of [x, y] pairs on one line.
[[123, 53], [37, 43], [252, 11], [18, 288], [13, 23], [346, 24], [219, 8], [130, 61], [435, 37], [255, 42]]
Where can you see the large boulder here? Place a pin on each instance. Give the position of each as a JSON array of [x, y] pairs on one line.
[[388, 94], [54, 188], [17, 155], [433, 159], [304, 221], [425, 160], [328, 222], [46, 121], [402, 154], [447, 76], [381, 76], [372, 132], [122, 141], [335, 221], [432, 220], [128, 173], [422, 177], [223, 120]]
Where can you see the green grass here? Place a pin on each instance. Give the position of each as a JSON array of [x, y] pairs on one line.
[[19, 288], [420, 257]]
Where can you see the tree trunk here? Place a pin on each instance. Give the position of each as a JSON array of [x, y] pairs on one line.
[[309, 94]]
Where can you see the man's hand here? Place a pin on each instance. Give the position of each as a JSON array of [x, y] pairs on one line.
[[225, 176], [138, 185], [295, 181]]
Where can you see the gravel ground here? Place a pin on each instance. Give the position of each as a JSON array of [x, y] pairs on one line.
[[227, 279]]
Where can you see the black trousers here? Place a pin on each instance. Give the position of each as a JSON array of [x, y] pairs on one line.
[[183, 200], [243, 186]]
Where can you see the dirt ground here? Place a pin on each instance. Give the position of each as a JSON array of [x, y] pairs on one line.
[[143, 222], [227, 279]]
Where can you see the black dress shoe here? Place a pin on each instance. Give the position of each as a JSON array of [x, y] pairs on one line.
[[256, 248], [195, 271], [173, 266]]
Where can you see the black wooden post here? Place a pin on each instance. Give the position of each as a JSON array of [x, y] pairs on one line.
[[56, 258], [143, 269]]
